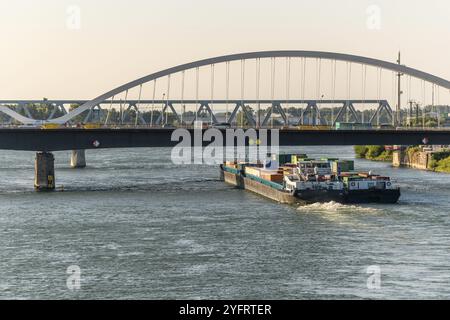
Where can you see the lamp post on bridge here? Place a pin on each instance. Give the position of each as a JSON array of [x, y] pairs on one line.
[[163, 111], [399, 95]]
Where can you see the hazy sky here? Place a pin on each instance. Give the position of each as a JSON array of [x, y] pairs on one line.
[[44, 53]]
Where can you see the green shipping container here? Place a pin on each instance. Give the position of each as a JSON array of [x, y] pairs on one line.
[[298, 157], [343, 166], [283, 158]]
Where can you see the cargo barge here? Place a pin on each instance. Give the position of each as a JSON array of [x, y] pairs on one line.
[[298, 179]]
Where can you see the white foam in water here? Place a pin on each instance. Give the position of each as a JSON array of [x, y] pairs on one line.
[[335, 207]]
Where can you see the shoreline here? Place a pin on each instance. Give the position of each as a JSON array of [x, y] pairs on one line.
[[413, 157]]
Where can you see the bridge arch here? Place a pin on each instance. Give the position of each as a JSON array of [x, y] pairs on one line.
[[254, 55]]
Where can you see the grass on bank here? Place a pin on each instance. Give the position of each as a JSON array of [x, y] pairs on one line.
[[440, 161]]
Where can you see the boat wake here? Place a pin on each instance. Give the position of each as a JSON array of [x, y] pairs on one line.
[[335, 207]]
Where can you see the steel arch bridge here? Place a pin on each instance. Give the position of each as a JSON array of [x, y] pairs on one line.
[[88, 106]]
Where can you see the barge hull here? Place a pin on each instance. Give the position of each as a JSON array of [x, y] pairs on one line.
[[389, 196], [313, 196], [259, 188]]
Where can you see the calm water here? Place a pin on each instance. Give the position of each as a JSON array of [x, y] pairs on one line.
[[139, 227]]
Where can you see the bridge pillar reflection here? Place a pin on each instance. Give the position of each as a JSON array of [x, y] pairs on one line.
[[78, 159], [44, 177]]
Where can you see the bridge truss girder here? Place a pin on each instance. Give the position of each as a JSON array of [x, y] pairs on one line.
[[314, 114], [91, 113], [205, 105], [276, 106], [248, 115], [167, 105], [383, 105], [139, 117], [57, 107], [24, 107], [346, 108]]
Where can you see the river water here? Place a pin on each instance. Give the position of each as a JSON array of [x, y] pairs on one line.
[[139, 227]]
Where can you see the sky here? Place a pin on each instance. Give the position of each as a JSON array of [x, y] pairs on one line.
[[79, 49]]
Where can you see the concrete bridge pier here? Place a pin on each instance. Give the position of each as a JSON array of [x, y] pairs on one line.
[[44, 177], [398, 156], [78, 159]]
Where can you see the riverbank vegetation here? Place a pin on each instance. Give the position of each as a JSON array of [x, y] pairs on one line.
[[375, 153], [440, 161]]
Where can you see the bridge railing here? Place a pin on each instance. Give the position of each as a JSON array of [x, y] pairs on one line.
[[219, 126]]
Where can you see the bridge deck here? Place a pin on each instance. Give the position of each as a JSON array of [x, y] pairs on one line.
[[73, 139]]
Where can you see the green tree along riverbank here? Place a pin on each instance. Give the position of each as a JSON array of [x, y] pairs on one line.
[[376, 153], [440, 161]]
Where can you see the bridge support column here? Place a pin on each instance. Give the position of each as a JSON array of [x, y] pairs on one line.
[[78, 159], [44, 177], [398, 156]]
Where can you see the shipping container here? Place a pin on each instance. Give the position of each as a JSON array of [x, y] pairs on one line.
[[295, 158], [282, 158], [278, 178], [340, 166], [253, 171]]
